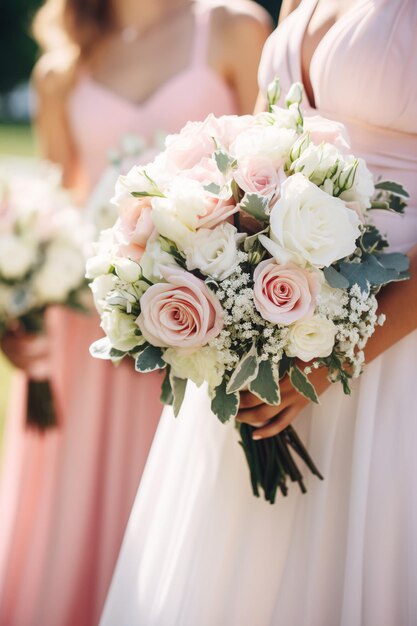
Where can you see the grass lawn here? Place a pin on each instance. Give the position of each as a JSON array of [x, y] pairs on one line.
[[16, 140]]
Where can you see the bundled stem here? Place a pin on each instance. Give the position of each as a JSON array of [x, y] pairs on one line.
[[271, 461]]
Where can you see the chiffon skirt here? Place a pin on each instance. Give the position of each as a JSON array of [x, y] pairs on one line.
[[201, 549], [66, 495]]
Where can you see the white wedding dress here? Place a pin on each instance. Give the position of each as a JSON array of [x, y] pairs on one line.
[[199, 549]]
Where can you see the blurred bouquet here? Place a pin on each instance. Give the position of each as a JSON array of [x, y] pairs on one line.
[[132, 149], [43, 247], [244, 253]]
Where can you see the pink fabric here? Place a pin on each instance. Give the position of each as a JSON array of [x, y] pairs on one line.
[[65, 496]]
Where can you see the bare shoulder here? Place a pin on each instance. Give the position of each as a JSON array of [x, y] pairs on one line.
[[240, 17], [239, 25], [54, 74]]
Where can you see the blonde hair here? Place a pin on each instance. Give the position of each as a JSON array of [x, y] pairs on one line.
[[72, 23]]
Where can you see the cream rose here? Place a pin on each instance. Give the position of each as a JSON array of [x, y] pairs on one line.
[[213, 252], [188, 207], [284, 294], [101, 287], [200, 365], [180, 313], [121, 330], [309, 226], [269, 142], [311, 338]]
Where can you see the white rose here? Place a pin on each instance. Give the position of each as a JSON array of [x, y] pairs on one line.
[[271, 142], [16, 257], [176, 216], [62, 272], [127, 270], [309, 226], [139, 178], [213, 252], [101, 287], [153, 258], [311, 338], [121, 330], [363, 187], [98, 265], [280, 118], [198, 366], [317, 162]]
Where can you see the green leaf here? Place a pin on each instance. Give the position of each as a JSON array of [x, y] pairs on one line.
[[178, 386], [224, 405], [103, 349], [335, 278], [213, 188], [394, 260], [301, 383], [266, 385], [150, 360], [245, 371], [167, 395], [252, 240], [256, 206], [171, 248], [224, 161], [147, 194], [370, 272], [393, 187]]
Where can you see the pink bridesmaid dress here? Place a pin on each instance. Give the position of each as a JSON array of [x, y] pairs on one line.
[[199, 548], [65, 497]]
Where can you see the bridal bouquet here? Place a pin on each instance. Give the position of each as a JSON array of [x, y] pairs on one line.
[[243, 253], [42, 262]]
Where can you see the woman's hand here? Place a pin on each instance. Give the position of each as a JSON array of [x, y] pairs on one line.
[[271, 420], [29, 353]]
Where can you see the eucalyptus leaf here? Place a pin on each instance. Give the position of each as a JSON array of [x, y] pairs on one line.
[[224, 405], [150, 360], [394, 260], [335, 278], [301, 383], [370, 272], [266, 384], [246, 370]]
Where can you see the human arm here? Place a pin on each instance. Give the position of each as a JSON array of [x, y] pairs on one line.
[[239, 34], [397, 301]]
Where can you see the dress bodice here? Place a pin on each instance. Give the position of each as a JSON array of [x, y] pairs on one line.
[[362, 75], [99, 117]]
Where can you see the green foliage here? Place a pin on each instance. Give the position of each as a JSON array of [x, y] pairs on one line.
[[301, 383], [266, 384], [149, 360], [245, 371], [256, 206], [224, 405]]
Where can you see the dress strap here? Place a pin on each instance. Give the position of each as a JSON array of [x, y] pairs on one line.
[[202, 13]]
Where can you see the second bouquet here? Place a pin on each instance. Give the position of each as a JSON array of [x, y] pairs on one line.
[[245, 252]]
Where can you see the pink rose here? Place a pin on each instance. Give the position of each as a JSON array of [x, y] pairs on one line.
[[181, 313], [193, 143], [205, 172], [323, 130], [134, 226], [257, 175], [217, 211], [284, 294]]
